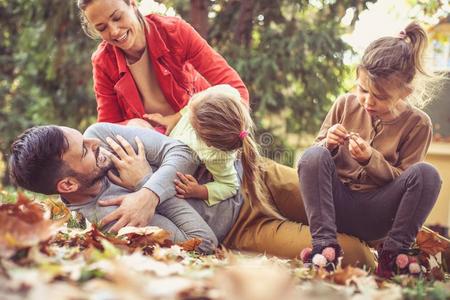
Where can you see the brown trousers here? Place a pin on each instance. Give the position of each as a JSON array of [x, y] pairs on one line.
[[257, 232]]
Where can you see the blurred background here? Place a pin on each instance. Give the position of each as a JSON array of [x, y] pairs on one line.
[[295, 57]]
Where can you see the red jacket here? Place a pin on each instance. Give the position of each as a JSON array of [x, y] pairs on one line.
[[183, 62]]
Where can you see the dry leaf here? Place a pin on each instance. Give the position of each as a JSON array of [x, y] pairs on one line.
[[437, 274], [138, 230], [344, 276], [23, 225], [431, 243], [190, 245], [140, 237]]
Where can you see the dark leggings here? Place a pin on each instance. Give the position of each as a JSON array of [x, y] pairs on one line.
[[395, 211]]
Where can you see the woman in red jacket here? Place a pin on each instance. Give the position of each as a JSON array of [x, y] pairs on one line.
[[153, 65], [150, 64]]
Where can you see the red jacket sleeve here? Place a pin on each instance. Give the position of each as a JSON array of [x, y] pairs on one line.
[[107, 102], [210, 64]]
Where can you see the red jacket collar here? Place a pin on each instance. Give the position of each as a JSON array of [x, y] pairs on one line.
[[156, 45]]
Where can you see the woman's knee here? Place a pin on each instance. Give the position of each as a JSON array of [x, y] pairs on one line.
[[312, 158]]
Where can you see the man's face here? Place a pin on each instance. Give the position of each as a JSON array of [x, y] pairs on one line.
[[85, 158]]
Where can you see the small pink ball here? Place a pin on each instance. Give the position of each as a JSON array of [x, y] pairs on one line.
[[305, 254], [319, 260], [329, 253], [402, 261], [414, 268]]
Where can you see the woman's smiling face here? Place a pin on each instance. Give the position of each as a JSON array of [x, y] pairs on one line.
[[117, 23]]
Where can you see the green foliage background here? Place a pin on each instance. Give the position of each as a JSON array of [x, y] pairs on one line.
[[290, 56]]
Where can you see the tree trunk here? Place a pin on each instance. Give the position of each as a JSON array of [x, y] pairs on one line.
[[244, 27], [199, 16]]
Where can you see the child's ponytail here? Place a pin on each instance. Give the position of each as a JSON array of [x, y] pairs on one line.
[[416, 37], [253, 183]]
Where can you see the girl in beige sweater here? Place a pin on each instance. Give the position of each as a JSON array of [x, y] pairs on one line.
[[364, 175]]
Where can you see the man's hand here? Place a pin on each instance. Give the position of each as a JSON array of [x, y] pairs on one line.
[[335, 136], [360, 150], [135, 209], [168, 121], [132, 166], [188, 187]]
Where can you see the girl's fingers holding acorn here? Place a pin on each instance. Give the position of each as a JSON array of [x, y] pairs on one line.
[[354, 147], [335, 139]]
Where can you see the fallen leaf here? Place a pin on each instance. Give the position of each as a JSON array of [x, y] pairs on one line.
[[431, 243], [437, 274], [140, 237], [23, 225], [345, 275], [190, 245]]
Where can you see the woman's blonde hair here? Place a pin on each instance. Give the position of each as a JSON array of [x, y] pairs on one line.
[[221, 120], [88, 29], [400, 61]]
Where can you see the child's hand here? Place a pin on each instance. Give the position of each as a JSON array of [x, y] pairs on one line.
[[336, 136], [167, 121], [188, 187], [360, 150]]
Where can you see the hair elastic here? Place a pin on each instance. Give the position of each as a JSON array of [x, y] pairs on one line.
[[243, 134], [402, 35]]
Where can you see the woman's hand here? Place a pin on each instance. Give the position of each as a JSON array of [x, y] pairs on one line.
[[336, 136], [136, 122], [188, 187], [132, 166], [168, 121], [360, 150]]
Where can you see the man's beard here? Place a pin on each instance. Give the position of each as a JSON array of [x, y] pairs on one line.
[[103, 167], [87, 182]]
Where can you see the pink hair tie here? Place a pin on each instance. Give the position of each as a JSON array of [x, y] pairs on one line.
[[243, 134], [402, 35]]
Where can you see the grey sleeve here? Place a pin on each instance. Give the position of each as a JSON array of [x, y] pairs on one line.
[[165, 154]]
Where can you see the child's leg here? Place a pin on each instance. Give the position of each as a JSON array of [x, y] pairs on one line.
[[417, 189], [395, 211], [320, 188], [190, 223]]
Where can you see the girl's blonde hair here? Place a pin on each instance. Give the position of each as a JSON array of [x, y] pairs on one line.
[[221, 120], [88, 29], [400, 62]]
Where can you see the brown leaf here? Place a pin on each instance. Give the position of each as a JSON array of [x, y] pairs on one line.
[[141, 241], [190, 245], [146, 236], [58, 210], [431, 243], [23, 225], [437, 274], [345, 275], [24, 209]]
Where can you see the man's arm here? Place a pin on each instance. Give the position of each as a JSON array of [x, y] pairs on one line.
[[168, 155]]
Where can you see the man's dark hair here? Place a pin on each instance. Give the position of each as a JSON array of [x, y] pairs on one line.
[[36, 159]]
